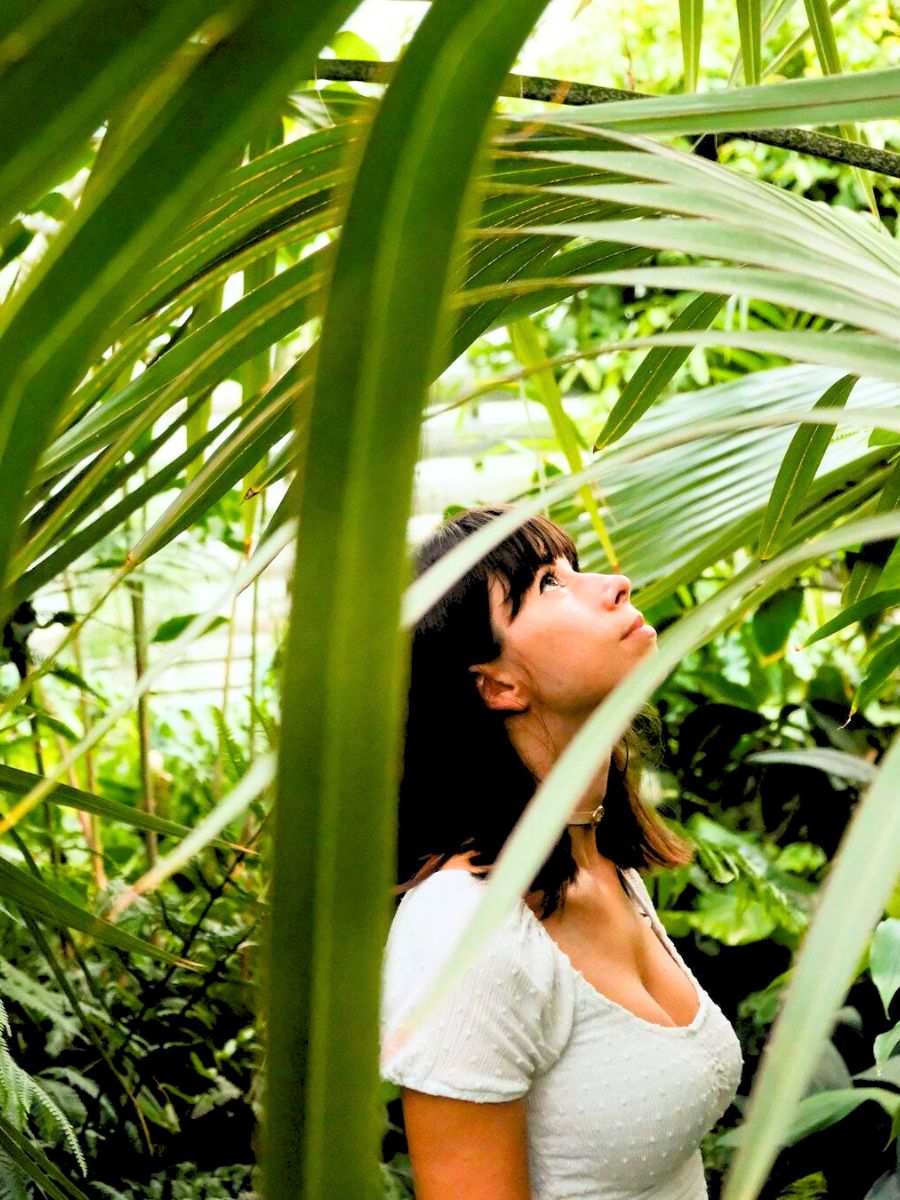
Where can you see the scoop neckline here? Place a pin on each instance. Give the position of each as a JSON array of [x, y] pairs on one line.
[[656, 925], [607, 1000]]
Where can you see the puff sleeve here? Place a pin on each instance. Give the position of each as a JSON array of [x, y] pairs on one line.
[[506, 1020]]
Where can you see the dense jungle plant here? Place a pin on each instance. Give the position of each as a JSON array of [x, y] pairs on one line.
[[375, 249]]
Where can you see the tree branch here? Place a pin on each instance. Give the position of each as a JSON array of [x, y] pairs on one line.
[[564, 91]]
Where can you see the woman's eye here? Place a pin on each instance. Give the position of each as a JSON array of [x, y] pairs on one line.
[[549, 575]]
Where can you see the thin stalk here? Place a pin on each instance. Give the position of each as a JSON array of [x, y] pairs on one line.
[[254, 646], [565, 91], [90, 822], [135, 589]]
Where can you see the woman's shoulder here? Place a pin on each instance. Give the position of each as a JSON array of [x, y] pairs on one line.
[[508, 1015], [445, 900], [434, 914]]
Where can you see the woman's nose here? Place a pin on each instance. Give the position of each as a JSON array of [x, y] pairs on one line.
[[618, 590]]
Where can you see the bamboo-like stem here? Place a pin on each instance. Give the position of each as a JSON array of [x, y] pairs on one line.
[[567, 91], [135, 588], [90, 822], [254, 646], [50, 818], [226, 691], [139, 633]]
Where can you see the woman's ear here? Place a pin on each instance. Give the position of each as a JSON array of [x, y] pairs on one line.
[[498, 694]]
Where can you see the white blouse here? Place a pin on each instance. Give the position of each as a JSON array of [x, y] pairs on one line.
[[616, 1104]]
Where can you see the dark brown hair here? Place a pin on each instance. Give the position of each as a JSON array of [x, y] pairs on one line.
[[464, 786]]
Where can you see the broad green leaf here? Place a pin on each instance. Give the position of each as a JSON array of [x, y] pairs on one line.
[[798, 470], [655, 371], [876, 603], [397, 258], [826, 1108], [884, 960]]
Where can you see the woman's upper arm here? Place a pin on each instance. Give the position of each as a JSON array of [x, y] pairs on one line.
[[465, 1149]]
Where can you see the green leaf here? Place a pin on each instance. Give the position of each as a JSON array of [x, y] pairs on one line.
[[348, 44], [867, 571], [29, 1156], [174, 627], [691, 16], [886, 1043], [31, 893], [19, 783], [774, 620], [655, 371], [382, 334], [862, 96], [884, 960], [801, 857], [880, 670], [875, 603], [826, 1108], [750, 24], [798, 470], [819, 758]]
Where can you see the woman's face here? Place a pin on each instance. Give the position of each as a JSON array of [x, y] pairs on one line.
[[568, 645]]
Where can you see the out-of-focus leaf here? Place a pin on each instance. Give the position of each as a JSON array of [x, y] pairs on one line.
[[774, 620], [797, 471], [655, 371], [884, 960], [875, 603], [880, 670], [174, 627]]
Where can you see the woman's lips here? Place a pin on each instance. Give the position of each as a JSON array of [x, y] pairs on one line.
[[640, 628]]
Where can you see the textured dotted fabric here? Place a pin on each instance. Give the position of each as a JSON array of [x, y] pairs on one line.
[[616, 1105]]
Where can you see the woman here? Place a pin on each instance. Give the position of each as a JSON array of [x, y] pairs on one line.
[[578, 1056]]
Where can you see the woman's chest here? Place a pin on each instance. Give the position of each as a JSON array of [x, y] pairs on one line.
[[616, 950], [628, 1103]]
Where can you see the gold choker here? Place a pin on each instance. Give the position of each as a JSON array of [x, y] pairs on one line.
[[587, 818]]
